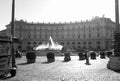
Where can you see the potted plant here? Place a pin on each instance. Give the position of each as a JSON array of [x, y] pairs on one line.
[[31, 57], [50, 57]]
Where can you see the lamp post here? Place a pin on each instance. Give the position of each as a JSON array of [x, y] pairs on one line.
[[117, 31], [114, 62], [12, 35]]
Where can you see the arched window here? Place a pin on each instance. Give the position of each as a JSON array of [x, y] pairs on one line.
[[68, 43], [40, 42], [84, 42], [89, 43], [73, 42], [34, 43], [98, 42], [79, 43], [62, 43]]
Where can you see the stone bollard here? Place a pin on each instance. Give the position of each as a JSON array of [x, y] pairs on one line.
[[93, 55], [50, 57], [31, 57], [67, 56], [81, 56], [102, 55]]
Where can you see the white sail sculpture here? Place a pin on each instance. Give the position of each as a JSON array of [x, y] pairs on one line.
[[51, 45]]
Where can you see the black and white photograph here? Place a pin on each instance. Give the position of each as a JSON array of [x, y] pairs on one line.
[[59, 40]]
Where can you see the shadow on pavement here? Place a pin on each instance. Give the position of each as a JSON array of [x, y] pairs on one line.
[[24, 63], [65, 61], [46, 62], [5, 77], [117, 71]]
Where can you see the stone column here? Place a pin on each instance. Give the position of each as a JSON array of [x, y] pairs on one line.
[[114, 61]]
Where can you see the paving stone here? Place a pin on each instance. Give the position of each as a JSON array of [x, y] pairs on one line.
[[74, 70]]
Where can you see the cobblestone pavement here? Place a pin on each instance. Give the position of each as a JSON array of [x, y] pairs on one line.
[[73, 70]]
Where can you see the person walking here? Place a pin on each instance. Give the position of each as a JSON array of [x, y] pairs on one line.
[[87, 58]]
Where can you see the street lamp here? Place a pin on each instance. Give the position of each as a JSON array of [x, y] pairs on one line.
[[12, 35], [114, 62]]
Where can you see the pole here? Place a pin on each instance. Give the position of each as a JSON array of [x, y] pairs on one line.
[[12, 34], [117, 16], [114, 62], [117, 31]]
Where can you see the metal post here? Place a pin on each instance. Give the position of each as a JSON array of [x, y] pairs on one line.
[[12, 34], [117, 16], [114, 62], [117, 31]]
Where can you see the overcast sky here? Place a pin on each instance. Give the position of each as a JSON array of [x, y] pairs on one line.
[[56, 10]]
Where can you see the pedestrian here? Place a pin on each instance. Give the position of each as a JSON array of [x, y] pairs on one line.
[[17, 54], [87, 58]]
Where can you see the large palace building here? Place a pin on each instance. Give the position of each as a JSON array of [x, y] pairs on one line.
[[95, 34]]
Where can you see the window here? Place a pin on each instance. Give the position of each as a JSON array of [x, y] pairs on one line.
[[98, 35], [106, 44], [89, 35], [73, 42], [45, 36], [78, 42], [68, 43], [78, 36], [84, 36], [106, 34], [98, 29], [84, 27], [29, 36], [98, 47], [62, 43], [84, 47], [34, 43], [98, 42], [84, 42], [40, 42], [89, 29], [34, 36], [28, 42], [90, 47], [89, 43]]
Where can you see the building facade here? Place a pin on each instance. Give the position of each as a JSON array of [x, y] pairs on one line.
[[96, 34]]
